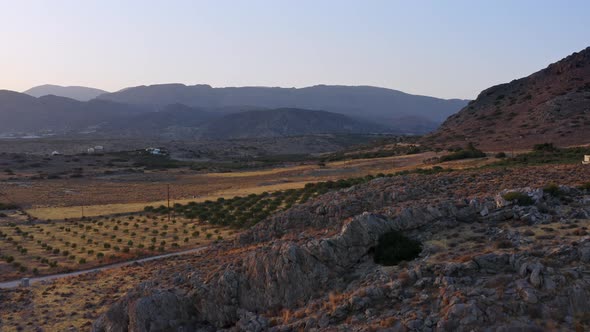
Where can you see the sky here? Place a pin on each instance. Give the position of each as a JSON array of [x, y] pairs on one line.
[[447, 49]]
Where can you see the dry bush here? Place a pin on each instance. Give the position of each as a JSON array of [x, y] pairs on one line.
[[388, 322]]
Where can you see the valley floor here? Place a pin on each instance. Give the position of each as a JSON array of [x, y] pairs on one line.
[[131, 192]]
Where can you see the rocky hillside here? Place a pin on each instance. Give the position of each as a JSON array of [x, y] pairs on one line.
[[506, 264], [552, 105]]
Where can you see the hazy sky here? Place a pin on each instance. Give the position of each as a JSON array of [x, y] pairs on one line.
[[439, 48]]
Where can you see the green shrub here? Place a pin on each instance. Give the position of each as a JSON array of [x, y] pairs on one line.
[[500, 155], [394, 247], [8, 206], [548, 147], [552, 189], [469, 152], [520, 198]]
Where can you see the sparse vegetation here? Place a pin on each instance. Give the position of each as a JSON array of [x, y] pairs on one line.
[[500, 155], [7, 206], [63, 245], [552, 189], [546, 154], [469, 152], [246, 211], [520, 198]]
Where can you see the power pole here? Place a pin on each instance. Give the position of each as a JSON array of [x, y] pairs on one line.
[[168, 203]]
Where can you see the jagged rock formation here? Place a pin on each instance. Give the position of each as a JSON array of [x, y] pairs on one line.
[[504, 267], [552, 105]]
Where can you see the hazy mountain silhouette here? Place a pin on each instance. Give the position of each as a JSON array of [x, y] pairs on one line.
[[21, 113], [75, 92], [366, 102]]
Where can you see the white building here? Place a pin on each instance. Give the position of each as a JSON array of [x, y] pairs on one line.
[[55, 153], [156, 151], [586, 160]]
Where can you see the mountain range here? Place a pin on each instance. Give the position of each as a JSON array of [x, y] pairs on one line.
[[551, 105], [80, 93], [380, 105], [21, 113], [179, 111]]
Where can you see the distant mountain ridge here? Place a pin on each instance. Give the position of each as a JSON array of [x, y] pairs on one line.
[[375, 104], [145, 110], [79, 93], [21, 114], [551, 105]]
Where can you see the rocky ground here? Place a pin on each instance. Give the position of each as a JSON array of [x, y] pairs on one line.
[[487, 264]]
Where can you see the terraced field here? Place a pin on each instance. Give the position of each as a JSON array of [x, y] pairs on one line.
[[28, 249]]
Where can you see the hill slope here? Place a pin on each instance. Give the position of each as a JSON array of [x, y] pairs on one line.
[[369, 103], [552, 105], [284, 122], [80, 93], [21, 113]]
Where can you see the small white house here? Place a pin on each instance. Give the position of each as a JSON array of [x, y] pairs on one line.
[[55, 153], [90, 150], [586, 160], [99, 148], [156, 151]]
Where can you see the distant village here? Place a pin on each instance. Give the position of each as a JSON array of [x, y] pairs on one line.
[[99, 149]]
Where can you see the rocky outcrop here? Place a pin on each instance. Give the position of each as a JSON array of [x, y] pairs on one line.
[[289, 280], [149, 309], [280, 275]]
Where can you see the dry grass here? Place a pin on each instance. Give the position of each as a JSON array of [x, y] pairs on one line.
[[67, 303]]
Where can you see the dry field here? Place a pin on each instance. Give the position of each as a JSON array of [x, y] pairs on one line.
[[123, 193], [28, 249]]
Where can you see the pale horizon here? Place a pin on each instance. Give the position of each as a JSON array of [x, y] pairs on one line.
[[446, 50]]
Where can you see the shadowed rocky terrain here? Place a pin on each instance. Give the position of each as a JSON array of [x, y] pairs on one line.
[[501, 251]]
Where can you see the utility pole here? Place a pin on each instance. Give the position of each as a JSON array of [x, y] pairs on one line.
[[168, 203]]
